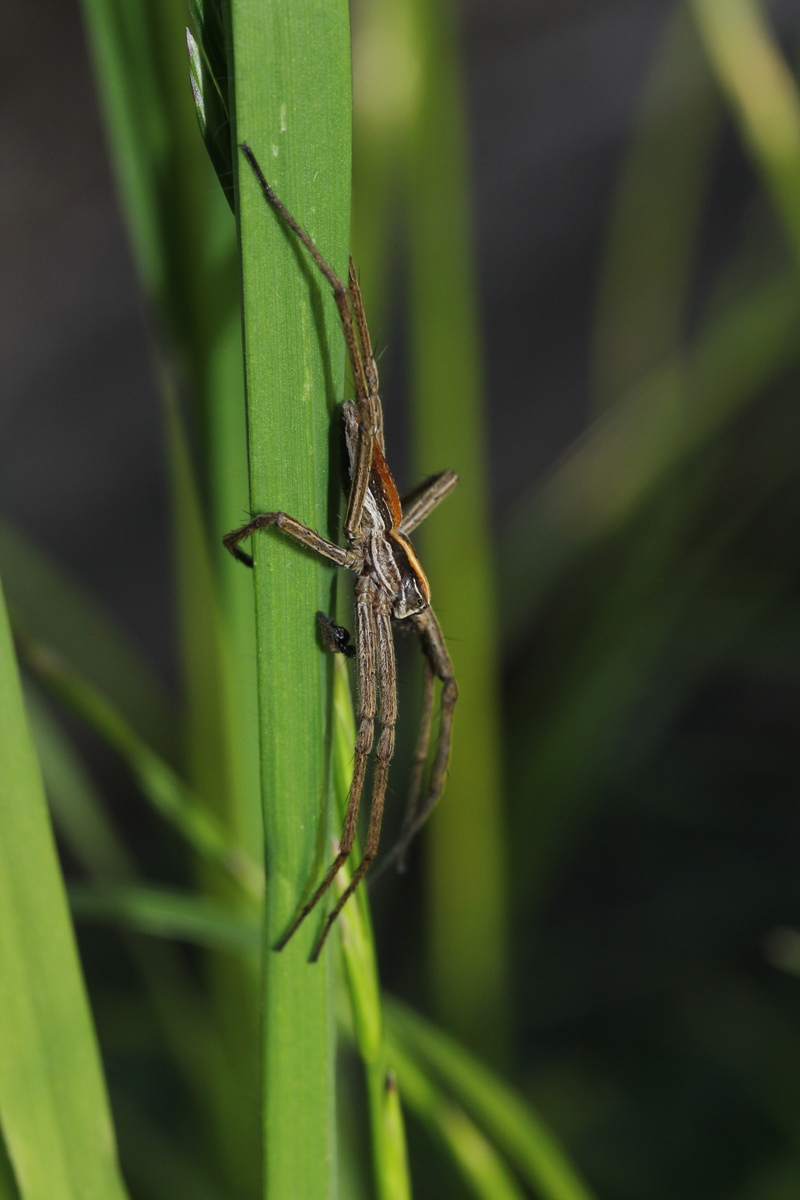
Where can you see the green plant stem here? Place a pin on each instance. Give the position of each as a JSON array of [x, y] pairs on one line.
[[168, 794], [389, 1157], [468, 952], [512, 1126], [56, 1121], [643, 289], [758, 83], [292, 105], [482, 1168]]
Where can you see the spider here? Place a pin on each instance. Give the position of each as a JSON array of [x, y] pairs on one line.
[[391, 586]]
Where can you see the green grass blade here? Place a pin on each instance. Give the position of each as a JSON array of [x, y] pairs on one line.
[[8, 1184], [476, 1158], [390, 1159], [292, 91], [165, 790], [220, 766], [644, 287], [165, 913], [510, 1123], [467, 940], [188, 1032], [629, 451], [385, 78], [56, 1122], [759, 85], [77, 809]]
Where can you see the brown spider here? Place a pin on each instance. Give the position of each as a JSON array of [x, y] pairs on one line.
[[391, 586]]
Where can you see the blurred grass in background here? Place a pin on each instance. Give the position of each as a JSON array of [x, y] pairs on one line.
[[611, 881]]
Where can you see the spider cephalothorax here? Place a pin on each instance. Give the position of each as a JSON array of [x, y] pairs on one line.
[[391, 586]]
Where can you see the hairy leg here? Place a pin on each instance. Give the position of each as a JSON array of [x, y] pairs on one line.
[[293, 529], [424, 499], [435, 651], [387, 674], [366, 655]]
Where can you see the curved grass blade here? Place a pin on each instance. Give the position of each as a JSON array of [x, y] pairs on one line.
[[165, 913], [190, 1035], [389, 1155], [77, 810], [759, 85], [628, 451], [56, 1122], [8, 1185], [467, 934], [510, 1123], [168, 794], [476, 1158], [644, 287]]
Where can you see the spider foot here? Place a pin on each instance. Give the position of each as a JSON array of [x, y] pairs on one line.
[[336, 637]]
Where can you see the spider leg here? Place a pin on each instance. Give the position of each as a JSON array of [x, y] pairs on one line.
[[387, 674], [359, 351], [335, 637], [421, 753], [370, 413], [365, 643], [435, 651], [359, 472], [293, 529], [425, 498], [368, 358], [339, 290]]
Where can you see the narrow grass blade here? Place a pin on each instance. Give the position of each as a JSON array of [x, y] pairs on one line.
[[385, 79], [630, 450], [389, 1155], [644, 286], [665, 623], [395, 1179], [467, 935], [476, 1158], [510, 1123], [168, 794], [292, 93], [8, 1185], [221, 768], [208, 71], [77, 809], [55, 1116], [189, 1034], [165, 913], [757, 81], [184, 239]]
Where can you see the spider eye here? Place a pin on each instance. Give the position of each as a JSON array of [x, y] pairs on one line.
[[410, 599]]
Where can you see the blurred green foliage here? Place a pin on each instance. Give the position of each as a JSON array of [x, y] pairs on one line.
[[612, 887]]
